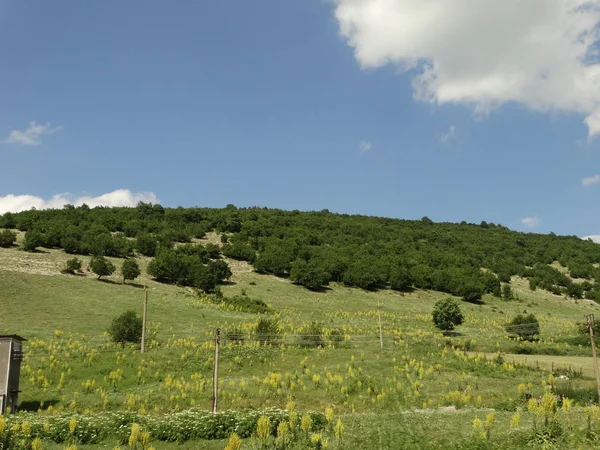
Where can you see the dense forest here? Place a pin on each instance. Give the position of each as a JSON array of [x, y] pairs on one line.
[[315, 248]]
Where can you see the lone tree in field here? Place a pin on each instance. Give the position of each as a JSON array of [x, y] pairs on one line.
[[126, 328], [33, 240], [523, 327], [446, 314], [73, 265], [130, 270], [102, 266]]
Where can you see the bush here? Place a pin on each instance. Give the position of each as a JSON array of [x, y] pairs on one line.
[[33, 240], [523, 327], [7, 238], [146, 244], [239, 251], [130, 270], [126, 328], [102, 266], [73, 265], [507, 292], [312, 336], [267, 330], [446, 314], [309, 274], [247, 304], [214, 251], [400, 279]]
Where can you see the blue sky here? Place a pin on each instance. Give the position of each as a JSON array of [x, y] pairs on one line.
[[301, 104]]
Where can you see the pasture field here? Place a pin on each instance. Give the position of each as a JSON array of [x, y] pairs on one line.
[[421, 390]]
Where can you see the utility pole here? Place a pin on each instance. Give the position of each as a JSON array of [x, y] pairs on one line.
[[380, 330], [216, 371], [144, 319], [590, 323]]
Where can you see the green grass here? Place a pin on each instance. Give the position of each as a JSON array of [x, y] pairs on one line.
[[372, 389]]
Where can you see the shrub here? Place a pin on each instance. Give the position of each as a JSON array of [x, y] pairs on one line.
[[446, 314], [73, 265], [7, 238], [146, 244], [214, 251], [523, 327], [239, 251], [102, 266], [72, 245], [267, 330], [235, 334], [507, 292], [312, 336], [130, 270], [247, 304], [336, 337], [309, 274], [33, 239], [126, 328], [400, 279]]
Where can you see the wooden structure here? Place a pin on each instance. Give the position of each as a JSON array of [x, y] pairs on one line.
[[11, 355]]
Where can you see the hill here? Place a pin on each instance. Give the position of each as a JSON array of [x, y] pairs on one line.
[[316, 248], [324, 349]]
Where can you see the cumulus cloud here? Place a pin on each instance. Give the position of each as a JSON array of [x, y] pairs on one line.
[[593, 237], [531, 222], [449, 135], [120, 197], [364, 147], [539, 53], [588, 181], [32, 135]]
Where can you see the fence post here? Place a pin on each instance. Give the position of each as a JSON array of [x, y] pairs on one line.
[[216, 371]]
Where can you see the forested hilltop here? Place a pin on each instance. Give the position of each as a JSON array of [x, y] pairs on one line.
[[315, 248]]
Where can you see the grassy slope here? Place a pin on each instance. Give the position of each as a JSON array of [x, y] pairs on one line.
[[36, 300]]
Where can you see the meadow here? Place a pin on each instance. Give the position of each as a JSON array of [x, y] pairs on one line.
[[423, 389]]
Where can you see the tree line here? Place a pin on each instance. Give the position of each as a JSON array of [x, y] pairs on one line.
[[315, 248]]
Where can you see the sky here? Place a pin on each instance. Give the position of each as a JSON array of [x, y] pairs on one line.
[[396, 108]]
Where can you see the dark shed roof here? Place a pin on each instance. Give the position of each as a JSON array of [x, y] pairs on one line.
[[12, 336]]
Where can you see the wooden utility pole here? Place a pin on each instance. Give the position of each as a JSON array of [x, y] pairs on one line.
[[380, 329], [590, 323], [216, 371], [144, 319]]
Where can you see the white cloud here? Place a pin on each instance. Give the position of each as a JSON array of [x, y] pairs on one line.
[[32, 135], [539, 53], [364, 147], [588, 181], [120, 197], [531, 222], [593, 237], [448, 136]]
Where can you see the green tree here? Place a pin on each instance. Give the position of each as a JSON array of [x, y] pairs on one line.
[[523, 327], [400, 279], [126, 328], [102, 266], [213, 250], [309, 274], [7, 238], [446, 314], [146, 244], [33, 240], [130, 270], [73, 265], [507, 293]]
